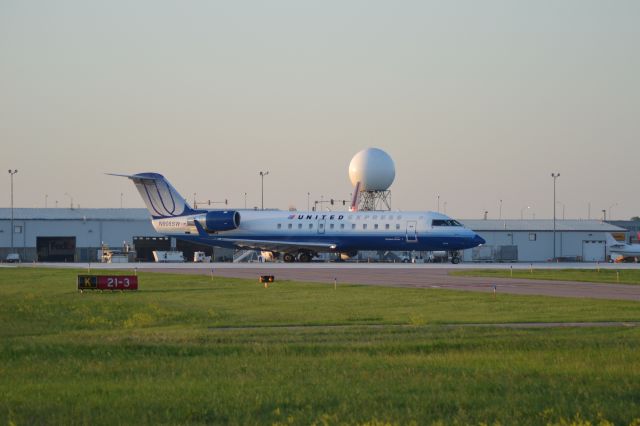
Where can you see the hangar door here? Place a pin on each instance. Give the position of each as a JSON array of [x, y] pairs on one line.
[[593, 251], [56, 249]]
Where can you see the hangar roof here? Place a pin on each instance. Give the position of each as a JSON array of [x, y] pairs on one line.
[[540, 225], [75, 214]]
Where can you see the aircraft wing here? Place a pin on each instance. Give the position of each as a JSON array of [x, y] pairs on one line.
[[268, 245], [278, 246]]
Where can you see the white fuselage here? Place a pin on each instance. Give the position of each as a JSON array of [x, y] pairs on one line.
[[362, 230]]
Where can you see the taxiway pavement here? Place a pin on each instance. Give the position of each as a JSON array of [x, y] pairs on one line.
[[400, 275]]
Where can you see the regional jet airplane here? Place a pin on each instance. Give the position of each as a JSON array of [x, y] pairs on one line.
[[621, 250], [300, 235]]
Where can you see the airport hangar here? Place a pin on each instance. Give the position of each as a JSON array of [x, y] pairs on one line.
[[76, 235], [68, 235]]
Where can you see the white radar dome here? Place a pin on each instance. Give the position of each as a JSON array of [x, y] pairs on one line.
[[373, 168]]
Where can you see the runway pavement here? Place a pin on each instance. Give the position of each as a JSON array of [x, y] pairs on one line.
[[402, 275]]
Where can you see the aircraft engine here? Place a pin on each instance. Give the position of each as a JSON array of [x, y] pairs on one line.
[[219, 221]]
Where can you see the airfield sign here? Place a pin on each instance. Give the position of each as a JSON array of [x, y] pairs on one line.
[[107, 282]]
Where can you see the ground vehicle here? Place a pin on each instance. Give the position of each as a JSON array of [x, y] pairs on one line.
[[168, 256], [200, 257], [13, 258]]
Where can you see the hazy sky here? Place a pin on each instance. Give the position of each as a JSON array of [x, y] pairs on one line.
[[475, 100]]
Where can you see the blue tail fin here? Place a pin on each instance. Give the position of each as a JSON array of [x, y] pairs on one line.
[[160, 196]]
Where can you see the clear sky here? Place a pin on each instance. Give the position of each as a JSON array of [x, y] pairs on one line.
[[478, 101]]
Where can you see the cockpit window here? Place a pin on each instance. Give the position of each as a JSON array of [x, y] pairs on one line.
[[443, 222]]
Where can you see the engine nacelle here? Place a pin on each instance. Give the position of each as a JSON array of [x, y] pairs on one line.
[[219, 221]]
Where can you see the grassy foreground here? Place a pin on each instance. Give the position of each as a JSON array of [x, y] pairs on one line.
[[623, 276], [188, 349]]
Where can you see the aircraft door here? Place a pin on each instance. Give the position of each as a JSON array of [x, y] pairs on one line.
[[321, 225], [412, 235]]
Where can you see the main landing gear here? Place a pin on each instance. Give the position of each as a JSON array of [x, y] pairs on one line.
[[455, 257], [303, 256]]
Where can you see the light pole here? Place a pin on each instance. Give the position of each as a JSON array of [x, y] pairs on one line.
[[12, 172], [612, 205], [262, 175], [70, 199], [308, 200], [438, 210], [500, 211], [245, 200], [604, 215], [522, 211], [555, 176]]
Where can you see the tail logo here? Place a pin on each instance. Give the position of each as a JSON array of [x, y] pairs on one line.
[[160, 200]]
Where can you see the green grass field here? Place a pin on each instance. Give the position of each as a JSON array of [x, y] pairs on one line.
[[191, 350], [623, 276]]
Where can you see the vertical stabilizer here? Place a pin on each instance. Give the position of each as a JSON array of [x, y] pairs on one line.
[[160, 197], [611, 242]]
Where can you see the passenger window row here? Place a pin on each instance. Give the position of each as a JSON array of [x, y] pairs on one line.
[[342, 226]]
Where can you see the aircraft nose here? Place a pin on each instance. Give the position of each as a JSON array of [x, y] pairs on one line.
[[478, 240]]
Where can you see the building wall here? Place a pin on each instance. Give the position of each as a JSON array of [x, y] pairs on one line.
[[89, 235], [568, 244]]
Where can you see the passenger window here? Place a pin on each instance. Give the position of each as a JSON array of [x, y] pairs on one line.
[[386, 226], [375, 226], [353, 226], [299, 226], [342, 226], [311, 226], [397, 226], [279, 225], [290, 226], [364, 226], [331, 226]]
